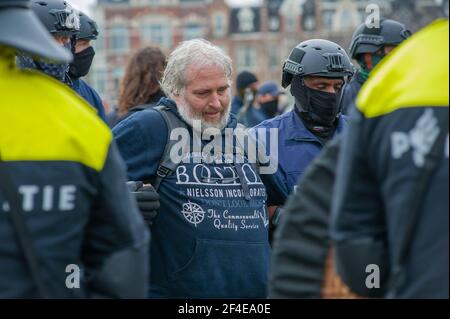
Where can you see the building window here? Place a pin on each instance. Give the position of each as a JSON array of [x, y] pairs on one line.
[[346, 20], [327, 19], [117, 75], [290, 23], [246, 18], [274, 24], [362, 15], [120, 39], [246, 57], [99, 78], [99, 44], [274, 61], [309, 20], [190, 1], [309, 23], [158, 34], [219, 25], [192, 31]]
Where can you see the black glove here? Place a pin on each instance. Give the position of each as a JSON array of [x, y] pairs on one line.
[[274, 221], [147, 199]]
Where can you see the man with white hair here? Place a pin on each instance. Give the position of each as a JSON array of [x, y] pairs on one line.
[[210, 236]]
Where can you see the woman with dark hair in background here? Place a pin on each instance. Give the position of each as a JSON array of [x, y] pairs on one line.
[[140, 85]]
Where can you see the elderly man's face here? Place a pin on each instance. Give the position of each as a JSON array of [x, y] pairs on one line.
[[206, 97]]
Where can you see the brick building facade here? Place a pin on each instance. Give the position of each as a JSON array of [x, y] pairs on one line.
[[257, 34]]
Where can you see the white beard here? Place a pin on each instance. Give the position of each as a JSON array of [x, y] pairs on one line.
[[184, 110]]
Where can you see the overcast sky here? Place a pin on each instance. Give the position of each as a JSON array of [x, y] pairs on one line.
[[83, 5]]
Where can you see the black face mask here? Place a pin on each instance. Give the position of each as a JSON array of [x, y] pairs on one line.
[[81, 63], [321, 107], [270, 108]]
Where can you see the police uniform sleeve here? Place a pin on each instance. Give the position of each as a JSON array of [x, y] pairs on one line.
[[357, 223], [268, 167], [117, 241], [276, 195], [302, 241], [98, 104], [95, 101], [348, 96], [350, 93]]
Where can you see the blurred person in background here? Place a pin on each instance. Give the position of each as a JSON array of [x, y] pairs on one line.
[[369, 45], [265, 105], [140, 87], [246, 88], [83, 55], [268, 99]]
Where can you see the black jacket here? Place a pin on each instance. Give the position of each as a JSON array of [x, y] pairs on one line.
[[70, 179], [301, 240], [397, 122], [350, 92]]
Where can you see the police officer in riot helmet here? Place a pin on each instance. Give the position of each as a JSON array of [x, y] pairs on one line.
[[369, 45], [316, 70], [83, 50], [64, 207], [29, 35], [83, 55], [63, 22]]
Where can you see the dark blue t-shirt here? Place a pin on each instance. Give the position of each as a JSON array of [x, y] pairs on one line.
[[210, 238]]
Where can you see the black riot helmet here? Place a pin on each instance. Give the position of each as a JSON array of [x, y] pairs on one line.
[[20, 29], [57, 16], [316, 57], [370, 39], [88, 28], [83, 60]]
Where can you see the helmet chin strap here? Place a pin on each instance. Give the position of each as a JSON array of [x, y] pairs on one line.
[[73, 42]]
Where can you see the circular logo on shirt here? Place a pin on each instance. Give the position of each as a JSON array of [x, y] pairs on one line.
[[193, 213]]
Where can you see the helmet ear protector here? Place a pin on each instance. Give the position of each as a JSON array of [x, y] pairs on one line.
[[292, 68]]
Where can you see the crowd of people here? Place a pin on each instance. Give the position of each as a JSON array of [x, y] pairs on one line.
[[184, 191]]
